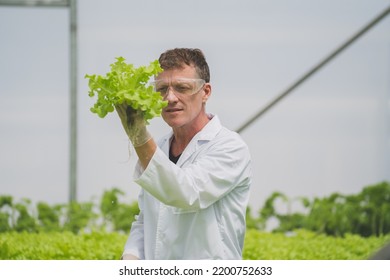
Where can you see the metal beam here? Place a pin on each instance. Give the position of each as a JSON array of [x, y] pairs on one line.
[[35, 3], [322, 63]]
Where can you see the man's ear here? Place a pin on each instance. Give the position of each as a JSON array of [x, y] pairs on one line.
[[207, 92]]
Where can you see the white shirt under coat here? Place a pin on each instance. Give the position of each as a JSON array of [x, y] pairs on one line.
[[194, 209]]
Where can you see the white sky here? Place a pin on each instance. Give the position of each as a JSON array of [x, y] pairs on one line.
[[331, 134]]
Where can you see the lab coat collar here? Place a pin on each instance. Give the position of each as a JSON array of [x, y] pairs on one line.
[[209, 131]]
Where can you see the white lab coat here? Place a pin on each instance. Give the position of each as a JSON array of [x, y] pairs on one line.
[[194, 209]]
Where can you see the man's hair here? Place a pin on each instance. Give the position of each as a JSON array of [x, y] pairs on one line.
[[179, 57]]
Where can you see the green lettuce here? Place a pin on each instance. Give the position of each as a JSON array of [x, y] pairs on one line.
[[126, 83]]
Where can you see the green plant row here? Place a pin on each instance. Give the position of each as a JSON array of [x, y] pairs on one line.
[[300, 245], [61, 246], [307, 245]]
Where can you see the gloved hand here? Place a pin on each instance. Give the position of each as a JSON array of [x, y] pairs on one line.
[[134, 124]]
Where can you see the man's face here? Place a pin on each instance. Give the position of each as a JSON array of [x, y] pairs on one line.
[[186, 95]]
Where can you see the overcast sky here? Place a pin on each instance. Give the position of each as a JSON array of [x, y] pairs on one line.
[[332, 134]]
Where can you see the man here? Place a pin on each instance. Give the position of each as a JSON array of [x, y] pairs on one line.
[[195, 181]]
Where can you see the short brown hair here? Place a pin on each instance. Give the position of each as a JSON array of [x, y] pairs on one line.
[[177, 58]]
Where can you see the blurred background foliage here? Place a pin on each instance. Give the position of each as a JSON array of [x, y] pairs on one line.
[[366, 214], [108, 215]]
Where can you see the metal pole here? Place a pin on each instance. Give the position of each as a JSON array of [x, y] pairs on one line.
[[73, 102], [73, 78], [378, 18]]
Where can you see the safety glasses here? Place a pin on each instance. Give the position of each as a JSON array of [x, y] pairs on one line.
[[179, 86]]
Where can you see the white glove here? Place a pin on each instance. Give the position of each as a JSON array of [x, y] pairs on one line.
[[134, 124]]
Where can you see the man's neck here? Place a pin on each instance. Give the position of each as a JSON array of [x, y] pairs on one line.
[[184, 134]]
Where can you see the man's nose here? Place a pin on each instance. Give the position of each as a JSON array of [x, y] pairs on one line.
[[170, 95]]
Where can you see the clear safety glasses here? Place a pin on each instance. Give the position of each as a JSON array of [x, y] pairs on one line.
[[179, 86]]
